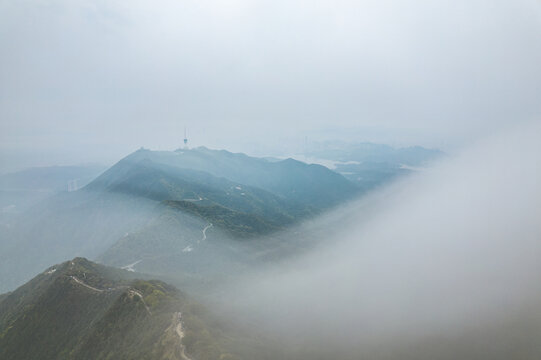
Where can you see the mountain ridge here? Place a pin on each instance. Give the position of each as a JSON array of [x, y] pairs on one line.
[[83, 310]]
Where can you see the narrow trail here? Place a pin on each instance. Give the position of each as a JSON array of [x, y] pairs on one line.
[[131, 292], [205, 233], [177, 323], [85, 284]]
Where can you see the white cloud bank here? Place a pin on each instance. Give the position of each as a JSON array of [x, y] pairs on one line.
[[448, 252]]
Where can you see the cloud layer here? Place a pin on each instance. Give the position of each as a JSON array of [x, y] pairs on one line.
[[453, 251]]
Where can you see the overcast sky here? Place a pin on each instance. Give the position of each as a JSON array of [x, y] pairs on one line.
[[93, 80]]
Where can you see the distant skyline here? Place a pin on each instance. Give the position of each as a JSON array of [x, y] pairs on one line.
[[90, 81]]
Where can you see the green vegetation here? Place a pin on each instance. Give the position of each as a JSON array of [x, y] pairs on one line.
[[294, 181], [120, 216], [82, 310], [151, 180], [189, 199], [236, 223]]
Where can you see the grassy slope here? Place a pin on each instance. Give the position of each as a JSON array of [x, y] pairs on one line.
[[55, 317]]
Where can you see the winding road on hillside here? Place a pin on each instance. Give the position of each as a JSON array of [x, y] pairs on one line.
[[205, 233], [130, 267]]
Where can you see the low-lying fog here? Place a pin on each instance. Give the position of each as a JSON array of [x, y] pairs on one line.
[[444, 264]]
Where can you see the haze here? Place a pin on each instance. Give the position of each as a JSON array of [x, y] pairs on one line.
[[90, 81], [360, 179], [442, 263]]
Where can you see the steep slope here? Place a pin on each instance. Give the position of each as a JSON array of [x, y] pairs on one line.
[[193, 251], [192, 202], [237, 224], [81, 310], [148, 179]]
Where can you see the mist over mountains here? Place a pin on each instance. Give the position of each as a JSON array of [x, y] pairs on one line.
[[152, 207], [409, 270], [82, 310], [442, 264], [198, 218], [263, 180]]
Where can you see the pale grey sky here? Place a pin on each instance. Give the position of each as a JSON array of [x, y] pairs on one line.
[[93, 80]]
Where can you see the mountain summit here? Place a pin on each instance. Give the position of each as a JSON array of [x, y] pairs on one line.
[[82, 310], [294, 181]]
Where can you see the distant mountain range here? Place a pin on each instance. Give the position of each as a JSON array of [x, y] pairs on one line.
[[202, 209], [192, 217], [295, 181], [186, 211], [152, 204], [370, 165], [379, 153]]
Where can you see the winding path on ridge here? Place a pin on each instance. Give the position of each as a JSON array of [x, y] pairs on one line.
[[177, 322], [86, 285], [131, 292]]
